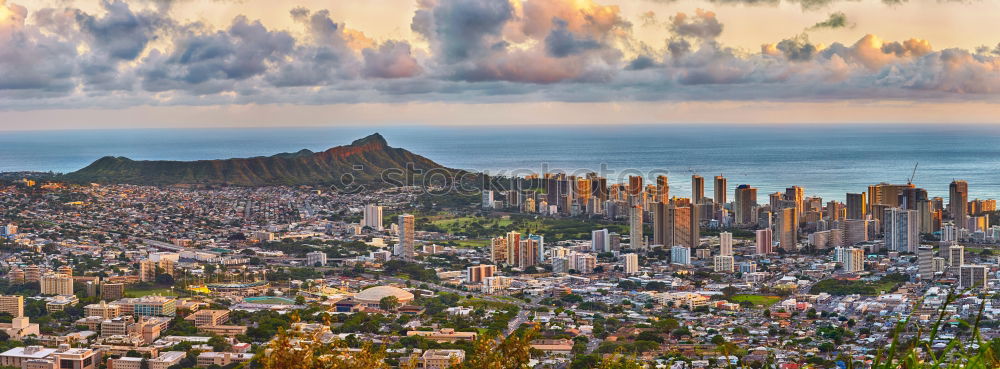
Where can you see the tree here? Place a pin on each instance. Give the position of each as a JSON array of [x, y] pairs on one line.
[[729, 291], [165, 279], [388, 303], [219, 344]]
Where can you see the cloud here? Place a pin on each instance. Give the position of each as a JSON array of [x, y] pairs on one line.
[[836, 20], [391, 60], [204, 62], [561, 42], [702, 24], [126, 54], [33, 64], [462, 29]]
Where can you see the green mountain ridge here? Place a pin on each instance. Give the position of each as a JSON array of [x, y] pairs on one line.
[[366, 159]]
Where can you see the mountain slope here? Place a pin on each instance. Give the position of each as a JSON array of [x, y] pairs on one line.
[[366, 159]]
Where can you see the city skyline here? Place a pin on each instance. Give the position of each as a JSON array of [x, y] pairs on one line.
[[187, 64]]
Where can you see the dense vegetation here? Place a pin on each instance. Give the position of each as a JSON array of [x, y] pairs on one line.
[[366, 160], [841, 287]]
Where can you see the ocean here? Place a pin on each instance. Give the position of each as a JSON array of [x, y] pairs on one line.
[[827, 160]]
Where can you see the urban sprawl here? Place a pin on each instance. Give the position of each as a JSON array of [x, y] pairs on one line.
[[136, 277]]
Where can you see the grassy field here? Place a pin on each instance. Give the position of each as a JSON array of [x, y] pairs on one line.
[[455, 225], [149, 291], [470, 243], [758, 300], [480, 228]]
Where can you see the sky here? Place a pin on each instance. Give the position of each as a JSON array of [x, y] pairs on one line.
[[189, 63]]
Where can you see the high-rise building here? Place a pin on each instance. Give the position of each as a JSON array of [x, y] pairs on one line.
[[112, 291], [973, 276], [13, 305], [585, 263], [476, 274], [724, 264], [697, 189], [528, 252], [834, 211], [926, 214], [765, 243], [316, 258], [949, 233], [33, 273], [147, 270], [854, 260], [911, 196], [631, 262], [512, 242], [856, 206], [925, 262], [373, 217], [958, 200], [599, 241], [857, 230], [902, 231], [797, 195], [634, 186], [676, 225], [487, 202], [956, 256], [787, 229], [726, 244], [540, 244], [56, 284], [720, 190], [746, 201], [635, 228], [885, 194], [498, 250], [407, 237], [662, 189], [680, 255]]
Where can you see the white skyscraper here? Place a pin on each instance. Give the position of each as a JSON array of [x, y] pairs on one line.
[[680, 255], [373, 217], [407, 237], [725, 244], [631, 262], [949, 233], [902, 230], [487, 199]]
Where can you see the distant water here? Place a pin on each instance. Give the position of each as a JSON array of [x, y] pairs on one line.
[[827, 161]]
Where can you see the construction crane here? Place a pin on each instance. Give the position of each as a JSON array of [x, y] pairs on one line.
[[910, 181]]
